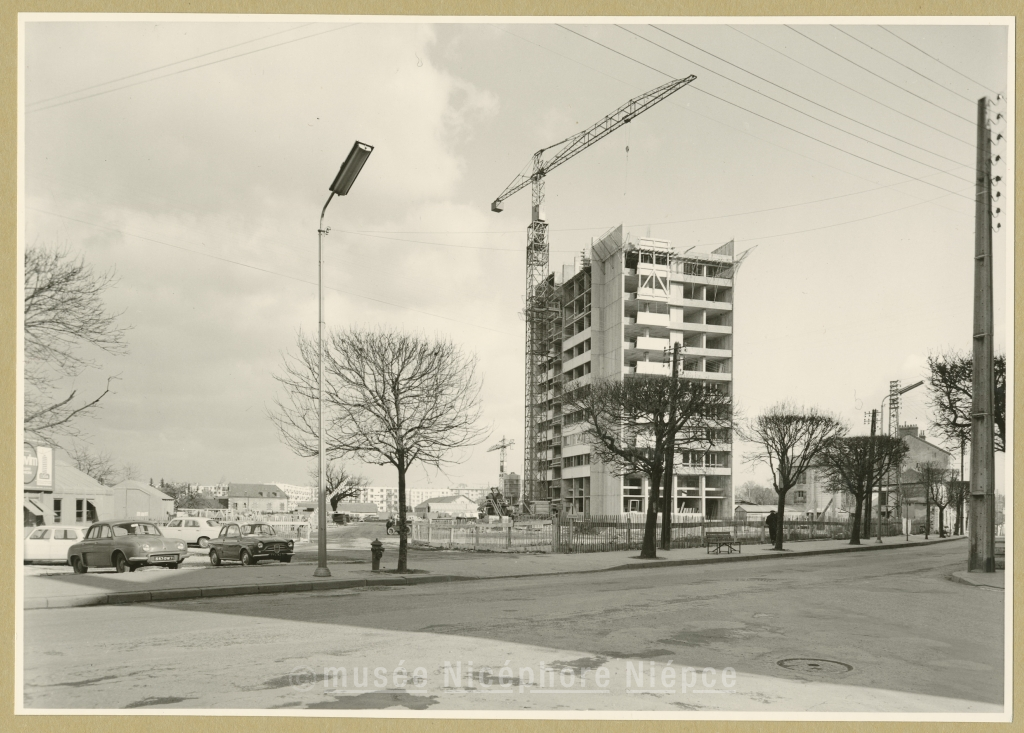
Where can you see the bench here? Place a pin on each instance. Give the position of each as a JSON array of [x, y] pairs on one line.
[[720, 540]]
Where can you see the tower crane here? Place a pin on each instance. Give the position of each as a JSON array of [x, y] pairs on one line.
[[541, 307], [504, 445]]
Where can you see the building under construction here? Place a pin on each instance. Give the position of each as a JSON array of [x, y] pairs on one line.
[[617, 313]]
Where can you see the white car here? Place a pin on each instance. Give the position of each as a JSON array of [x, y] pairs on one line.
[[194, 530], [51, 543]]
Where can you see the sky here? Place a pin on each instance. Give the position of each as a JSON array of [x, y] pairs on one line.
[[193, 158]]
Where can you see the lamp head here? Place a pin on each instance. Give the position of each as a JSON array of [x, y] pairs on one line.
[[350, 168]]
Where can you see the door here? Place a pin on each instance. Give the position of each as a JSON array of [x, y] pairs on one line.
[[37, 546], [173, 528], [62, 540], [232, 542], [98, 549], [191, 533]]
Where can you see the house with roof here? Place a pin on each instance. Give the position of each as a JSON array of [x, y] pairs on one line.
[[447, 506], [132, 499], [264, 498], [55, 492]]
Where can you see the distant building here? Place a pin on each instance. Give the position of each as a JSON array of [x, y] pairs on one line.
[[138, 500], [753, 512], [298, 493], [55, 492], [214, 490], [452, 506], [265, 498], [356, 509], [510, 486]]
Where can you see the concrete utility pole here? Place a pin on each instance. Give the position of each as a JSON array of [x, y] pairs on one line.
[[871, 471], [670, 459], [982, 555]]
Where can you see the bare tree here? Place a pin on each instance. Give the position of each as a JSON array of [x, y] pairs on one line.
[[98, 465], [64, 317], [959, 493], [789, 440], [934, 479], [339, 483], [630, 424], [756, 493], [856, 464], [391, 398], [129, 472], [950, 391]]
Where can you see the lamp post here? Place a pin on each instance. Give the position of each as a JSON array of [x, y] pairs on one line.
[[894, 412], [342, 183]]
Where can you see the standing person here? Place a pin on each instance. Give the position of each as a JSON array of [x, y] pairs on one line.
[[773, 524]]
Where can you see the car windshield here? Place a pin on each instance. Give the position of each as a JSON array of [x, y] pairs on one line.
[[135, 528], [40, 534], [257, 529]]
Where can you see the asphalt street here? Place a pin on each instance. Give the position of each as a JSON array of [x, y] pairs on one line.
[[865, 632]]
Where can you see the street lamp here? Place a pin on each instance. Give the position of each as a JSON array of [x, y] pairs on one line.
[[342, 183], [895, 392]]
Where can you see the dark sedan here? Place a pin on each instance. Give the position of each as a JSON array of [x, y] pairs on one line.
[[249, 543], [125, 545]]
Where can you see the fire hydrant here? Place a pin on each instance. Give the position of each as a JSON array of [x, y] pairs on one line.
[[376, 552]]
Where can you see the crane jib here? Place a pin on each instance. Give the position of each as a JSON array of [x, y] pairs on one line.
[[573, 146]]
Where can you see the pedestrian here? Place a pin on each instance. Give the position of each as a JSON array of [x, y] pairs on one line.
[[773, 524]]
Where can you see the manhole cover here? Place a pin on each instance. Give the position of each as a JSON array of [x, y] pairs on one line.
[[815, 666]]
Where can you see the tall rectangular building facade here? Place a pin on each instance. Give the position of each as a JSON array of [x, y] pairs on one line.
[[622, 312]]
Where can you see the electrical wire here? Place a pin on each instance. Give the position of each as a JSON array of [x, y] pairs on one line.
[[897, 61], [808, 99], [968, 120], [757, 114], [191, 68], [938, 60], [260, 269], [854, 90], [796, 109], [163, 66]]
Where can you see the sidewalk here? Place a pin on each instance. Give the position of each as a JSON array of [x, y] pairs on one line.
[[431, 566]]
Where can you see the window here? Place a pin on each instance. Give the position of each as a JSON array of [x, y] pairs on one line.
[[191, 522], [90, 512], [40, 534], [93, 533], [800, 497], [104, 532], [79, 510], [174, 523], [232, 531], [56, 511], [122, 530]]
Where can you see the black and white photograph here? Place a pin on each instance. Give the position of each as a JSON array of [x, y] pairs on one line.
[[515, 367]]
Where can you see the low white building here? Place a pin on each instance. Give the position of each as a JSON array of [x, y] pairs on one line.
[[448, 506]]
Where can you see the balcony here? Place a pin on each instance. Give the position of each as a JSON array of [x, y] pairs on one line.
[[712, 305], [653, 367], [650, 343], [644, 318]]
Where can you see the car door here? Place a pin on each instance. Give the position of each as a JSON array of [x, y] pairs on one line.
[[97, 551], [37, 545], [232, 542], [173, 528], [62, 540], [192, 530]]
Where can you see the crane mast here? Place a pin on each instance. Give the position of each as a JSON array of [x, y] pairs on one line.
[[542, 306]]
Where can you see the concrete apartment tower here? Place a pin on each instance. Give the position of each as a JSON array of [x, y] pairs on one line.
[[622, 311]]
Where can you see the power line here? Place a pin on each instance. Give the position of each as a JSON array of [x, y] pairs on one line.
[[164, 66], [903, 89], [908, 68], [796, 109], [936, 59], [769, 119], [191, 68], [260, 269], [687, 109], [854, 90]]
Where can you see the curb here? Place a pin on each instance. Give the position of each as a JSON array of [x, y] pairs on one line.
[[974, 582], [174, 594]]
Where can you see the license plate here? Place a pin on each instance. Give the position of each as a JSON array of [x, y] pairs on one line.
[[163, 558]]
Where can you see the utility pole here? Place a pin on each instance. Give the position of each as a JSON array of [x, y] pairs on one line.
[[981, 556], [670, 459], [871, 471]]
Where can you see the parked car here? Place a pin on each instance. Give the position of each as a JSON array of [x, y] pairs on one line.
[[50, 543], [194, 530], [249, 543], [125, 545]]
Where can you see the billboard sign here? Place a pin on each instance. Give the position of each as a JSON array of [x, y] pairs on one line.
[[38, 467]]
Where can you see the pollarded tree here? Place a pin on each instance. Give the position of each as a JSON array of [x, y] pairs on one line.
[[339, 483], [856, 464], [630, 424], [391, 398], [790, 439]]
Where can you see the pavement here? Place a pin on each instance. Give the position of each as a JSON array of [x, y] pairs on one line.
[[351, 569], [817, 634]]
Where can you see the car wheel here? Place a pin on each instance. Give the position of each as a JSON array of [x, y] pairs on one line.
[[204, 541], [78, 566], [245, 558], [214, 558], [120, 563]]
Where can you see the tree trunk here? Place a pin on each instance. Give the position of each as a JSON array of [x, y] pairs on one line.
[[648, 549], [857, 513], [666, 504], [780, 514], [866, 515], [942, 528], [403, 531]]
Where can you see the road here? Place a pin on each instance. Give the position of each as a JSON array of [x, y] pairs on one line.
[[865, 632]]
